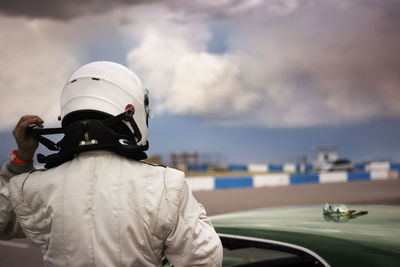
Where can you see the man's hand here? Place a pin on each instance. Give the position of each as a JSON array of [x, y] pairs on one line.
[[27, 144]]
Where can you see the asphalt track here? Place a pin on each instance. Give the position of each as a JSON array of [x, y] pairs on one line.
[[18, 253], [360, 192]]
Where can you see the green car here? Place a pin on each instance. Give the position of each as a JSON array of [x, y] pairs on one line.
[[330, 235]]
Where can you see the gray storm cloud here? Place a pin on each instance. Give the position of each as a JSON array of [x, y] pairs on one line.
[[289, 64], [59, 9], [280, 63], [35, 62], [62, 10]]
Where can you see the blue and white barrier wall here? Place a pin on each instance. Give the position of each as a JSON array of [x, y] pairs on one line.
[[293, 168], [258, 167], [199, 183]]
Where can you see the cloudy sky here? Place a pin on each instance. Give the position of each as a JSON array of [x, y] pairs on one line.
[[241, 81]]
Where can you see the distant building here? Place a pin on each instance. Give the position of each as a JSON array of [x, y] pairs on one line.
[[183, 160], [327, 154], [328, 160], [154, 159]]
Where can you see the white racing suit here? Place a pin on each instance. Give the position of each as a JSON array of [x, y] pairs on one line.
[[101, 209]]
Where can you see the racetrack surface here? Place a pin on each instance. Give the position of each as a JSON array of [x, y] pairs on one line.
[[360, 192], [17, 253]]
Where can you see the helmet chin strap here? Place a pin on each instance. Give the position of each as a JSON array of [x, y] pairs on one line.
[[87, 135]]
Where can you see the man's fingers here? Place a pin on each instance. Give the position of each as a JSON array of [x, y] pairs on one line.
[[26, 117], [27, 120], [26, 144]]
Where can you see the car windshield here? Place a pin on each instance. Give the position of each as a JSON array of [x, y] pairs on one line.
[[247, 251], [240, 256]]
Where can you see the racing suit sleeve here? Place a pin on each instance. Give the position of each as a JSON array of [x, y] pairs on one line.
[[193, 240], [9, 227]]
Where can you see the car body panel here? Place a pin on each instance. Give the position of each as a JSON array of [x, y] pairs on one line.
[[368, 240]]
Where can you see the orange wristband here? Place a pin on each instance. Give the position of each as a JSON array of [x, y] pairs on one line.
[[13, 157]]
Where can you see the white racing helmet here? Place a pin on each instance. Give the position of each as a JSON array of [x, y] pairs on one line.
[[102, 89]]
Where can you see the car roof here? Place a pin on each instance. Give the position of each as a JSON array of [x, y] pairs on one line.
[[377, 232]]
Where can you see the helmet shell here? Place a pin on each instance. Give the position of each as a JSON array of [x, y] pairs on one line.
[[106, 87]]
